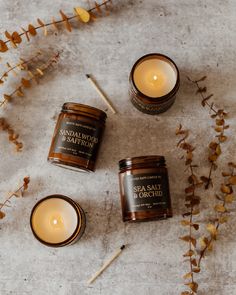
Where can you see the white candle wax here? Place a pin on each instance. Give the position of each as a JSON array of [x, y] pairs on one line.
[[155, 76], [54, 220]]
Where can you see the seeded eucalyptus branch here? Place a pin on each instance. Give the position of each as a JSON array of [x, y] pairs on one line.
[[219, 116]]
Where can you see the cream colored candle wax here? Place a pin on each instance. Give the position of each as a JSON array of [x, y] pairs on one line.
[[54, 220], [155, 76]]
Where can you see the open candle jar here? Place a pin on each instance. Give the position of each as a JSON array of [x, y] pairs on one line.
[[154, 82], [144, 189], [77, 137], [57, 221]]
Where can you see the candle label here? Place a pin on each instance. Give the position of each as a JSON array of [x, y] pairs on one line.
[[78, 139], [146, 192]]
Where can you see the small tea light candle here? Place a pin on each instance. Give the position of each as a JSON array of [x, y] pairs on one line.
[[154, 82], [57, 221]]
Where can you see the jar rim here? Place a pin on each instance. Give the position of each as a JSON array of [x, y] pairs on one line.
[[161, 98], [154, 160], [85, 110], [77, 209]]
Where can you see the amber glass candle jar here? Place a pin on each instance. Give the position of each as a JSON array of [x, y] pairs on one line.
[[57, 221], [154, 82], [144, 189], [77, 137]]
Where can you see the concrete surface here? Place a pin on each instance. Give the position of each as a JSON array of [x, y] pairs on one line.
[[200, 37]]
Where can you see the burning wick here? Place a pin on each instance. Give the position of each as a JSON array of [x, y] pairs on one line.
[[155, 77]]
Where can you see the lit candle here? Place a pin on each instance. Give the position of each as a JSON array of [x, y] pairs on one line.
[[57, 221], [154, 82]]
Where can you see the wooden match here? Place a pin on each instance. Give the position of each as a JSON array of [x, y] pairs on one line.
[[101, 94], [106, 264]]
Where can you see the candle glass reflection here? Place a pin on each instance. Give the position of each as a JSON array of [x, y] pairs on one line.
[[154, 82]]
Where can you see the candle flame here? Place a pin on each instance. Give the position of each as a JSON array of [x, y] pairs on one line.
[[56, 222], [155, 77]]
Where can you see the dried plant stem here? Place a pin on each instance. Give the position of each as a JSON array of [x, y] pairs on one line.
[[221, 209], [10, 196], [17, 193], [104, 3], [21, 64], [191, 202], [195, 253], [12, 136], [219, 115], [38, 72], [199, 88]]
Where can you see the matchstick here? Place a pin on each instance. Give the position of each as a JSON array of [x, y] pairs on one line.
[[105, 266], [101, 93]]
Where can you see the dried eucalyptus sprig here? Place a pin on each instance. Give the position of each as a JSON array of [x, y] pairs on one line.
[[13, 137], [219, 116], [225, 198], [192, 201], [33, 75], [199, 247], [20, 66], [17, 193], [81, 14]]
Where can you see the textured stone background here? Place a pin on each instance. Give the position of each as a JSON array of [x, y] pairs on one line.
[[200, 37]]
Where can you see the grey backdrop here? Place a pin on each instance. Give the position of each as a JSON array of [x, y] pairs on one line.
[[200, 37]]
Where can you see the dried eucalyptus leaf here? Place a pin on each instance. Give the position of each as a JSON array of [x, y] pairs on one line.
[[3, 46], [193, 286], [185, 222], [98, 7], [225, 189], [213, 158], [196, 269], [196, 226], [220, 122], [2, 215], [232, 180], [83, 14], [222, 138], [40, 71], [187, 275], [26, 34], [212, 229], [25, 82], [189, 253], [65, 20], [218, 129], [54, 24], [16, 38], [220, 208], [32, 30], [223, 219], [7, 97], [229, 198]]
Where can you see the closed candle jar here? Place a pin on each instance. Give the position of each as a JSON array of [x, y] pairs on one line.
[[77, 137], [154, 82], [144, 189], [57, 221]]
